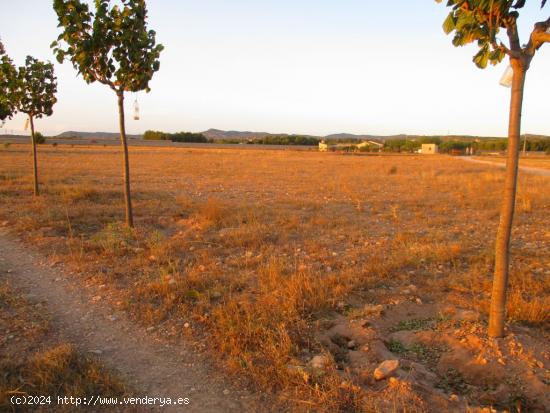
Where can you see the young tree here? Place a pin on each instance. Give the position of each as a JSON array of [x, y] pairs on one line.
[[481, 21], [7, 77], [33, 92], [111, 46]]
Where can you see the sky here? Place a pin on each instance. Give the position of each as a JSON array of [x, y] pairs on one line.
[[293, 66]]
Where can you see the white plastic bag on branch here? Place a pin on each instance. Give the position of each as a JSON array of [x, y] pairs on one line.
[[507, 77], [136, 110]]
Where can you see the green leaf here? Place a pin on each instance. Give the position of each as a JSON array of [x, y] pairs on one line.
[[482, 58], [449, 24]]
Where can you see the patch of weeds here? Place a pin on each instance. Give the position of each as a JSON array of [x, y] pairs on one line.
[[425, 354], [517, 403], [453, 382], [414, 324], [113, 239], [155, 239], [396, 347], [193, 295]]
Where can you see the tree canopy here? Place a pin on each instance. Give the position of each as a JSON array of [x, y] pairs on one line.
[[7, 79], [111, 46], [35, 87], [482, 21]]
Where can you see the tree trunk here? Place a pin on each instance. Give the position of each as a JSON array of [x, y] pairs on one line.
[[127, 195], [34, 160], [502, 248]]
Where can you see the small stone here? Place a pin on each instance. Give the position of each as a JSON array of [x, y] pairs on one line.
[[171, 281], [319, 362], [352, 344], [98, 352], [186, 325], [226, 392], [96, 298], [386, 369], [454, 398], [365, 348], [149, 329], [501, 361], [418, 301], [216, 294]]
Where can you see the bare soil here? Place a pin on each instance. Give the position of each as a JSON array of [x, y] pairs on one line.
[[501, 163]]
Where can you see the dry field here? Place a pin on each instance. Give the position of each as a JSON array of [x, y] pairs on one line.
[[300, 272], [531, 160]]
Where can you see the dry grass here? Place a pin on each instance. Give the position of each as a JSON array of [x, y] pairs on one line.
[[256, 248], [35, 362]]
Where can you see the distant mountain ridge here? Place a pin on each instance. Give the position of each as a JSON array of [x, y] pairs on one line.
[[218, 135]]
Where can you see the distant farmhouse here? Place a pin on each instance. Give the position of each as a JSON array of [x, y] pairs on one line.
[[370, 146], [429, 149]]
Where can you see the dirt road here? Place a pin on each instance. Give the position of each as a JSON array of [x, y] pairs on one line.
[[154, 369]]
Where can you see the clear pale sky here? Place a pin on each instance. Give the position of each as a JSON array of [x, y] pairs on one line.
[[302, 66]]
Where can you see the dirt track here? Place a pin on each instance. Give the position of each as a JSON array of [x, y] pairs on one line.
[[154, 369], [528, 169]]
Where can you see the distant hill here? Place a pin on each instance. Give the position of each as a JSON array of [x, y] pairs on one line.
[[94, 135], [350, 136], [218, 135]]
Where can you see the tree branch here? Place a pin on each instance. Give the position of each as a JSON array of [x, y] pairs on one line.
[[539, 36], [512, 30]]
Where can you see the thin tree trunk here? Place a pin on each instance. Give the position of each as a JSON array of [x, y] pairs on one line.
[[127, 195], [34, 160], [502, 248]]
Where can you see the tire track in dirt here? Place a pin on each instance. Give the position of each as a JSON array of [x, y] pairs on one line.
[[527, 169], [152, 368]]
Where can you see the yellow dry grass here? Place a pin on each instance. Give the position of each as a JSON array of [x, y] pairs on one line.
[[34, 361], [256, 248]]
